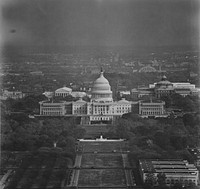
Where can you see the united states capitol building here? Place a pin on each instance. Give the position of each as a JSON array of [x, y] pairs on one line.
[[100, 109]]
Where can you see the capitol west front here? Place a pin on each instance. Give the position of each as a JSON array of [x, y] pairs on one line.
[[100, 109]]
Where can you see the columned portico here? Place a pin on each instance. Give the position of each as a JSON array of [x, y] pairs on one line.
[[103, 109], [101, 119], [100, 110]]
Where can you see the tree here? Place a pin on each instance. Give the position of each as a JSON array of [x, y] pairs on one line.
[[161, 179], [33, 134], [150, 180], [177, 186], [55, 130], [192, 185], [189, 104], [131, 116], [122, 128], [178, 142], [168, 101], [188, 119], [178, 100], [161, 139]]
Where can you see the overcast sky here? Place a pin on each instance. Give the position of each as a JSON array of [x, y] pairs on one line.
[[100, 22]]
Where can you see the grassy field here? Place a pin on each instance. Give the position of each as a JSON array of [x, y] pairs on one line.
[[102, 177], [102, 165], [102, 160]]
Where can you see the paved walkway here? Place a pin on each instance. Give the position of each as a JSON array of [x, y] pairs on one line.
[[90, 169], [76, 171], [4, 179]]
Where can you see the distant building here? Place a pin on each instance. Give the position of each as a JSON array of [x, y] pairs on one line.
[[124, 93], [165, 88], [176, 85], [142, 92], [197, 92], [64, 91], [152, 108], [100, 109], [183, 85], [192, 74], [78, 94], [183, 91], [52, 108], [176, 171], [37, 73], [147, 68], [12, 94]]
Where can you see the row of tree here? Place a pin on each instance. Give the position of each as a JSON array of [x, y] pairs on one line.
[[156, 138], [188, 103], [21, 133], [28, 104]]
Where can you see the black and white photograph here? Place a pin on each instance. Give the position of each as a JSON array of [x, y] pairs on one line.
[[99, 94]]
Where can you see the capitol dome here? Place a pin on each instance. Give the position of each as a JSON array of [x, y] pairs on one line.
[[101, 90]]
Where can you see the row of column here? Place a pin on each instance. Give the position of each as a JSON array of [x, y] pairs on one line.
[[100, 109]]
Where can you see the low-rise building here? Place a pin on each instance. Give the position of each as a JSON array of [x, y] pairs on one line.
[[37, 73], [12, 94], [64, 91], [124, 93], [183, 91], [142, 92], [148, 108], [165, 88], [176, 171], [78, 94], [52, 108], [183, 85]]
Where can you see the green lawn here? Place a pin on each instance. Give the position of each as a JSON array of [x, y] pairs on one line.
[[102, 160], [102, 177]]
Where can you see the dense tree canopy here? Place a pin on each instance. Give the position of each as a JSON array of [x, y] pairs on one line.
[[19, 132], [156, 138], [187, 103], [32, 134], [28, 104]]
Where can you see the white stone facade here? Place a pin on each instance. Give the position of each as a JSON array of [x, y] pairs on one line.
[[12, 94], [166, 88], [64, 91], [151, 108], [101, 107], [52, 109]]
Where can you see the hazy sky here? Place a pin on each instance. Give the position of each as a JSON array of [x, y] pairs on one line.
[[100, 22]]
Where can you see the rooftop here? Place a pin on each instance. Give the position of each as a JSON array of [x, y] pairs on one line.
[[152, 101], [63, 89], [167, 166]]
